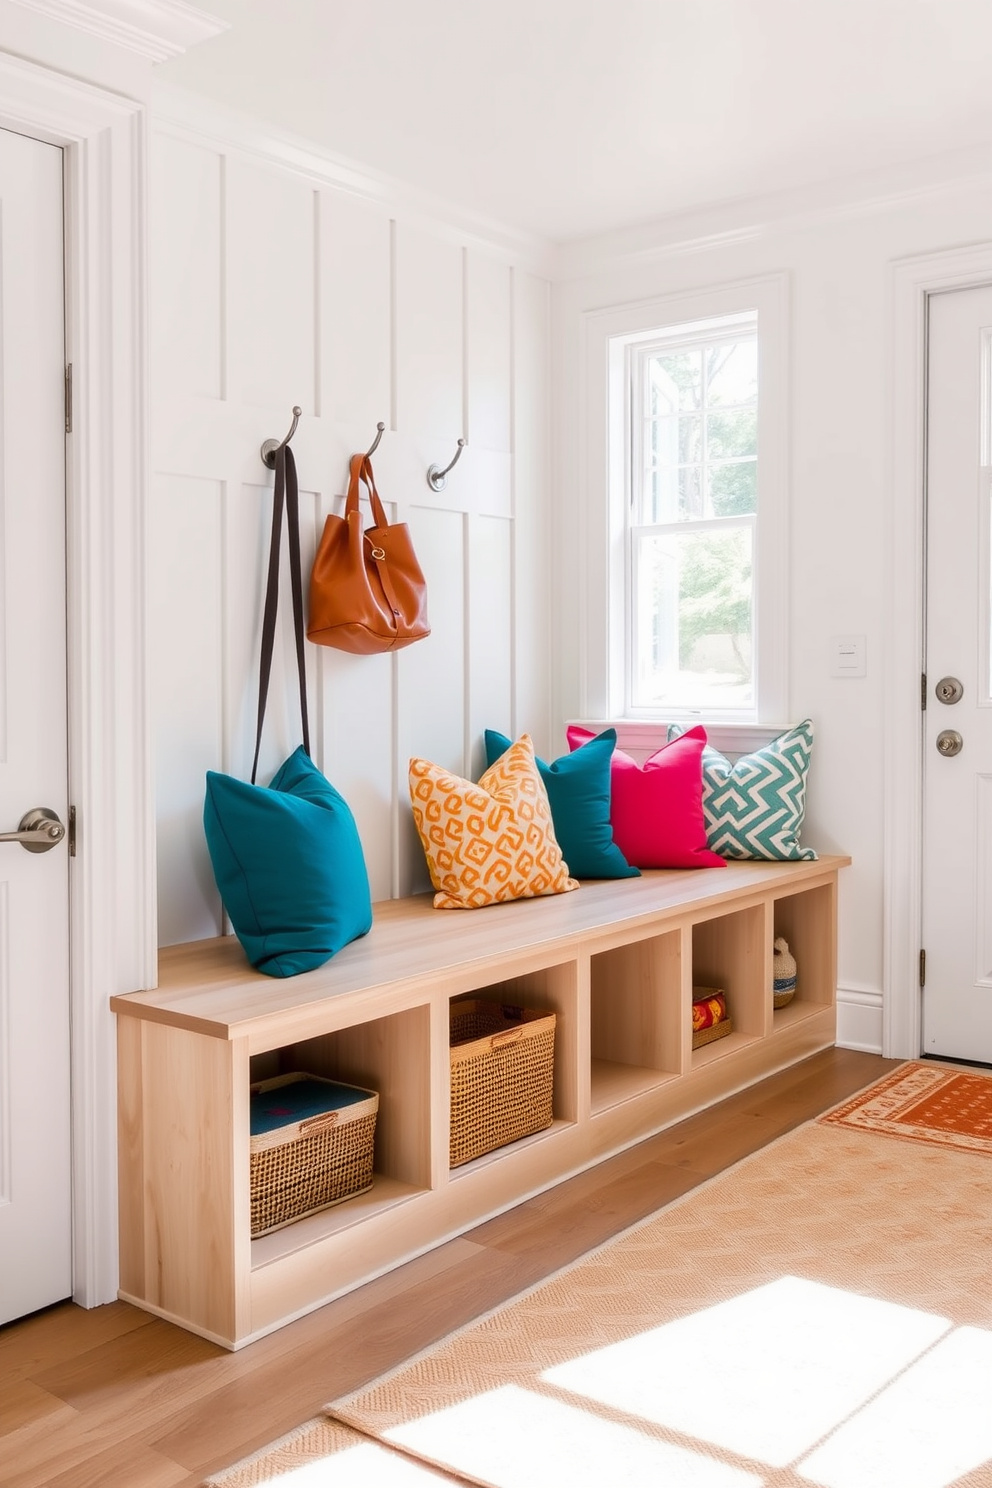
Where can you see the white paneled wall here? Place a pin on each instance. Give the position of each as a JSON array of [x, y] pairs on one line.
[[270, 289]]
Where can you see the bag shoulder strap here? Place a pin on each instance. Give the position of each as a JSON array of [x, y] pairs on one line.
[[286, 493], [361, 470]]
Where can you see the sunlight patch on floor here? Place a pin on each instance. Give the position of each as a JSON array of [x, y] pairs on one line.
[[514, 1439], [767, 1374], [848, 1391], [932, 1425]]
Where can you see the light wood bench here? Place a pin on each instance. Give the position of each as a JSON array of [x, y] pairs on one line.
[[615, 961]]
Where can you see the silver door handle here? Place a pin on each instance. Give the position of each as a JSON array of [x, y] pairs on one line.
[[38, 830], [949, 743]]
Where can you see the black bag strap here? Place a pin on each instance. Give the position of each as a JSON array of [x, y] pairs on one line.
[[287, 493]]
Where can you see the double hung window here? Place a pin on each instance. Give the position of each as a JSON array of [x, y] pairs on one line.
[[687, 421], [693, 504]]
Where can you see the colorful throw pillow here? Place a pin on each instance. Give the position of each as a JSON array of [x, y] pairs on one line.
[[578, 787], [657, 808], [489, 842], [754, 808]]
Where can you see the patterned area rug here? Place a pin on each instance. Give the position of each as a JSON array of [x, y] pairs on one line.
[[820, 1314], [932, 1103]]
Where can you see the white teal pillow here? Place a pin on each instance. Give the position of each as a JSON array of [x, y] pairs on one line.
[[754, 808]]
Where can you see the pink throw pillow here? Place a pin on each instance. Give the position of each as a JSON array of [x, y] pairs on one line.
[[656, 809]]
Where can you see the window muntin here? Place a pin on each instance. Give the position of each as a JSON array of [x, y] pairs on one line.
[[691, 531]]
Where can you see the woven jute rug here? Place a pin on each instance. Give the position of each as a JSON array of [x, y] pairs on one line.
[[819, 1314], [322, 1452]]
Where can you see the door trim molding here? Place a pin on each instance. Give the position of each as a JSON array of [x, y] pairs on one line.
[[912, 281], [112, 878]]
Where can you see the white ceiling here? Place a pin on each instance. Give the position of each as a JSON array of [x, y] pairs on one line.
[[569, 118]]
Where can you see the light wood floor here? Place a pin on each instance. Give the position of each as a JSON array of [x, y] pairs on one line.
[[114, 1398]]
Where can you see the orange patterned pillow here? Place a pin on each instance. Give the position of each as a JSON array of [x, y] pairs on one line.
[[488, 842]]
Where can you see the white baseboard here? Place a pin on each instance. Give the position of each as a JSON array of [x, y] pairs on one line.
[[859, 1019]]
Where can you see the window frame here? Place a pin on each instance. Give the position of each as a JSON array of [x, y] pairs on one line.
[[637, 352], [609, 334]]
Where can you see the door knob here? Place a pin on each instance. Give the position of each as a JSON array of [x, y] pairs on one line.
[[949, 690], [39, 830], [949, 742]]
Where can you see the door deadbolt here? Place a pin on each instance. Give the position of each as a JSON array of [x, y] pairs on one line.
[[38, 830], [949, 743], [949, 690]]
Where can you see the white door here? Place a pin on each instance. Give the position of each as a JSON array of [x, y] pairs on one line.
[[957, 833], [35, 1233]]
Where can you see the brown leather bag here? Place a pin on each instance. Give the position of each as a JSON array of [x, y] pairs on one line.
[[367, 590]]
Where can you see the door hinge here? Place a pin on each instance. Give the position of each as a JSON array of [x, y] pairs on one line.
[[72, 831], [923, 968], [68, 398], [923, 692]]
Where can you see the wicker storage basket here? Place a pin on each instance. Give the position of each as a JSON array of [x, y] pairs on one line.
[[715, 1031], [502, 1069], [701, 1036], [311, 1147]]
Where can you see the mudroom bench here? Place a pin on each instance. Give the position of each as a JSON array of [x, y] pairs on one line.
[[616, 962]]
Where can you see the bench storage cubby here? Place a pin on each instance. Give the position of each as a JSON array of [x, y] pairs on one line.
[[615, 962]]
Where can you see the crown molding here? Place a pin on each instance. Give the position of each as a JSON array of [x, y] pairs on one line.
[[741, 220], [156, 29], [200, 120]]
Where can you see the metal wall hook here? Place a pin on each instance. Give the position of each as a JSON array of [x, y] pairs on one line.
[[436, 477], [270, 446], [380, 429]]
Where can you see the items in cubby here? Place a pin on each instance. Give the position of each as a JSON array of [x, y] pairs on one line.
[[311, 1146], [502, 1072], [710, 1019], [783, 974]]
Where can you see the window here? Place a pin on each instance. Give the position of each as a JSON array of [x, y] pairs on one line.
[[693, 401], [685, 578]]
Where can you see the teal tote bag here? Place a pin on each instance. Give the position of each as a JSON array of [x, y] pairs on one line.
[[287, 857]]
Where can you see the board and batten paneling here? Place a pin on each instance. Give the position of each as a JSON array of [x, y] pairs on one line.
[[269, 289]]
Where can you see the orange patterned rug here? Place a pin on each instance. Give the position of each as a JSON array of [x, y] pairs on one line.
[[934, 1103]]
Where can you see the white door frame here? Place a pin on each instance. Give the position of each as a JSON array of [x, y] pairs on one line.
[[112, 883], [912, 281]]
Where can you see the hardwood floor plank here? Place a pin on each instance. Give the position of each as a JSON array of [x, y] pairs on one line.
[[94, 1378], [130, 1466], [23, 1402], [60, 1333], [137, 1403]]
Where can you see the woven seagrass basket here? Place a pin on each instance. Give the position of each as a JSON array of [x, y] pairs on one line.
[[702, 1036], [319, 1155], [502, 1071], [716, 1030]]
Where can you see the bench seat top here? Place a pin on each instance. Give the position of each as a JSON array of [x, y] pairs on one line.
[[207, 986]]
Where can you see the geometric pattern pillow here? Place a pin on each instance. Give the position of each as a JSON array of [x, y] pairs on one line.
[[489, 842], [754, 808]]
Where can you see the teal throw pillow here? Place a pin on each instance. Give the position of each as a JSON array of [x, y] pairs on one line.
[[754, 808], [578, 787], [289, 866]]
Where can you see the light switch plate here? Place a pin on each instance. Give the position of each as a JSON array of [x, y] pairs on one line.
[[847, 656]]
